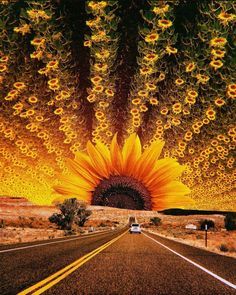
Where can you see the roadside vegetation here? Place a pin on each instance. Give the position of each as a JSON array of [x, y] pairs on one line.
[[155, 220], [230, 221], [73, 214]]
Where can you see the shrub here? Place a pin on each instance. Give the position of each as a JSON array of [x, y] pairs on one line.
[[102, 224], [223, 248], [210, 224], [2, 224], [72, 212], [230, 221], [156, 220]]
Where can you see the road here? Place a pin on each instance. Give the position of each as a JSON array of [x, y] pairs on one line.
[[129, 264]]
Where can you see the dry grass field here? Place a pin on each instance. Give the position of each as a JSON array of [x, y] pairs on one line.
[[22, 221]]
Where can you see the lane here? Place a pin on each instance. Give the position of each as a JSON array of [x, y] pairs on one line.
[[137, 265], [28, 245], [221, 265], [23, 268]]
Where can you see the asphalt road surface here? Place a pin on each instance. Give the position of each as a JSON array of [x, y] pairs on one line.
[[129, 264]]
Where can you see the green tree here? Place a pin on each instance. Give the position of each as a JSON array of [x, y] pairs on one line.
[[72, 212], [155, 220], [230, 221], [210, 224]]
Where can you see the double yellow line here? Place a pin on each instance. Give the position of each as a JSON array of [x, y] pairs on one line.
[[52, 280]]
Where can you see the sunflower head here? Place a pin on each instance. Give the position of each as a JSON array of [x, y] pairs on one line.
[[125, 177]]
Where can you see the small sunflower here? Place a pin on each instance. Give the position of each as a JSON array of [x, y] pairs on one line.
[[143, 93], [171, 50], [136, 101], [19, 85], [151, 57], [87, 43], [161, 10], [125, 177], [175, 122], [225, 17], [143, 108], [216, 64], [3, 68], [58, 111], [231, 94], [96, 80], [218, 42], [153, 101], [190, 100], [152, 38], [179, 82], [32, 99], [146, 71], [177, 108], [164, 111], [203, 79], [98, 89], [219, 102], [190, 67], [211, 114], [232, 87], [38, 42], [37, 55], [164, 23], [53, 64], [150, 86], [102, 54], [109, 92], [217, 53], [24, 29], [101, 67]]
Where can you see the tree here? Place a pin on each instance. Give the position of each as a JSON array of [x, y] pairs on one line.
[[230, 221], [72, 212], [210, 224], [156, 220]]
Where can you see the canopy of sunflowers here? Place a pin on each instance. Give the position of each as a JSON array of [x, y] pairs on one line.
[[120, 103]]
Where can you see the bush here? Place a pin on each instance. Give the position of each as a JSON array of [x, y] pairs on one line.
[[223, 248], [2, 224], [73, 212], [210, 224], [230, 221], [156, 220], [102, 224]]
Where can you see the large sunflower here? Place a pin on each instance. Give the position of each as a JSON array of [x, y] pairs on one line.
[[125, 178]]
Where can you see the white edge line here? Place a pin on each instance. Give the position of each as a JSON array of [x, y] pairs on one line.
[[49, 243], [196, 264]]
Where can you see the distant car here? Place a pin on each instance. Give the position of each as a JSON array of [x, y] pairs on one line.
[[135, 228]]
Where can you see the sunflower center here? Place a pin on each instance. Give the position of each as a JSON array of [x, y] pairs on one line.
[[122, 192]]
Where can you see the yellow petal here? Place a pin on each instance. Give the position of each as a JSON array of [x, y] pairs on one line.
[[131, 153], [165, 171], [116, 156], [73, 191], [173, 188], [76, 181], [82, 173], [97, 160], [105, 153], [84, 161], [148, 159]]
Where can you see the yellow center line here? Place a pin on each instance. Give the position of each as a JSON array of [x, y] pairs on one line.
[[64, 272]]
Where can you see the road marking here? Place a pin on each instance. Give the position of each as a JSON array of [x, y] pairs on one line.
[[52, 280], [195, 264], [55, 242]]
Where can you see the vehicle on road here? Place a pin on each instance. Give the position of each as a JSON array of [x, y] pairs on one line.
[[135, 228]]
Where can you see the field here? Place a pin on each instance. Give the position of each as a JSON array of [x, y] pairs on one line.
[[21, 221]]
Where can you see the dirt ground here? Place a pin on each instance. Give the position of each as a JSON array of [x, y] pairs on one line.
[[21, 221]]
